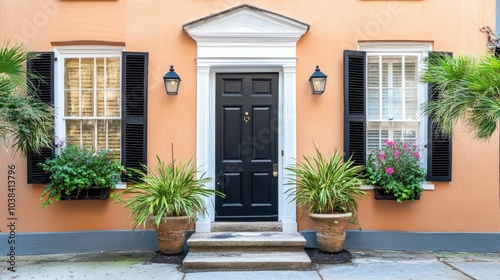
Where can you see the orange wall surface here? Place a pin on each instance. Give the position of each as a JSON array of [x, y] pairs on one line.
[[470, 203]]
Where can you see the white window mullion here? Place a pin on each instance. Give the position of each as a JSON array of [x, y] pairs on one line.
[[380, 137], [80, 126], [403, 87], [390, 87], [80, 123], [105, 87], [106, 123], [94, 103], [380, 89], [80, 87]]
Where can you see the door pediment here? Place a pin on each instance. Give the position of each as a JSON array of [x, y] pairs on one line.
[[248, 23]]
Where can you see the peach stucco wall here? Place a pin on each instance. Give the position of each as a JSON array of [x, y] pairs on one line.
[[470, 203]]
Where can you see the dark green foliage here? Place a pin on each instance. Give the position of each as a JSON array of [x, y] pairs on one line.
[[396, 169], [77, 168]]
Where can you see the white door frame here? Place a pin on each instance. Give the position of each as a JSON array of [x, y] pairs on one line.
[[205, 136]]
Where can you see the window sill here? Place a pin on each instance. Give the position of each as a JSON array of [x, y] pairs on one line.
[[427, 186], [121, 186]]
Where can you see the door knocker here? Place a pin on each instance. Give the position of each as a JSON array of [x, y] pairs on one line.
[[246, 118]]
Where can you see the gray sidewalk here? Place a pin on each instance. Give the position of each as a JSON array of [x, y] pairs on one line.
[[365, 265]]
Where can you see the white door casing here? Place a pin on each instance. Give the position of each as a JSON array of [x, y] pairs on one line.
[[246, 39]]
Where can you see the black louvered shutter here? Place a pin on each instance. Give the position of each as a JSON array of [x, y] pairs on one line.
[[354, 106], [439, 146], [134, 110], [40, 64]]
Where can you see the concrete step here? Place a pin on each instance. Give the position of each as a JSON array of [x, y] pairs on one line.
[[246, 226], [246, 242], [246, 261]]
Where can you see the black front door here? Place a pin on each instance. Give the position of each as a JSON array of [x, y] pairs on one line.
[[247, 146]]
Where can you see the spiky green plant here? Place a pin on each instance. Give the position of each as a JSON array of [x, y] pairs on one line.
[[469, 88], [26, 123], [168, 190], [326, 185]]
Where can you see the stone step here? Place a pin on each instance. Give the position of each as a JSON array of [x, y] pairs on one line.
[[246, 226], [245, 242], [246, 261]]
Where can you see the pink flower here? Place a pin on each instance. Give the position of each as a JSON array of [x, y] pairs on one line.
[[416, 155], [405, 146], [381, 156], [389, 170], [390, 143], [396, 154]]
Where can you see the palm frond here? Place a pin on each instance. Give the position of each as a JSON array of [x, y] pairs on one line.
[[12, 61], [469, 88], [26, 123]]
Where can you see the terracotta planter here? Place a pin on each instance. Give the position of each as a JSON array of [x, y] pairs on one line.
[[330, 230], [171, 234]]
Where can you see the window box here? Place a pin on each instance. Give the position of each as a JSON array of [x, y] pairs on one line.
[[380, 194], [92, 193]]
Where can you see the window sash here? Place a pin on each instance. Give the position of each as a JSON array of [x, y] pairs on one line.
[[393, 95], [103, 89]]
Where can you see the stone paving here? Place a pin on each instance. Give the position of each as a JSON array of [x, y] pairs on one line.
[[365, 265]]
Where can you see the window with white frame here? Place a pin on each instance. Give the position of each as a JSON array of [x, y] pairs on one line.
[[394, 94], [383, 98], [88, 101]]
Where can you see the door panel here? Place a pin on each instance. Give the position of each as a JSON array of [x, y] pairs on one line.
[[232, 133], [247, 146]]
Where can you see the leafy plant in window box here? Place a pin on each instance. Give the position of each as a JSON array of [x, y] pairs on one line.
[[169, 196], [329, 188], [395, 170], [79, 171]]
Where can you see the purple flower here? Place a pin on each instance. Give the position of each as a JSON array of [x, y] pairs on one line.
[[381, 156], [389, 170], [390, 143], [396, 154]]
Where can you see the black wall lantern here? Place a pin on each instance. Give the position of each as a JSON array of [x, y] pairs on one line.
[[318, 81], [172, 81]]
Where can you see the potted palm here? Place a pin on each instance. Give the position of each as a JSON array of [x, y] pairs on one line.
[[328, 188], [169, 196]]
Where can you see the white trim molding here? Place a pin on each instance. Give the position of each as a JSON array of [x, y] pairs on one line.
[[246, 39]]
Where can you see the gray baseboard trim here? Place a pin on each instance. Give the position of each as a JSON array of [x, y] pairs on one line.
[[39, 243], [416, 241]]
